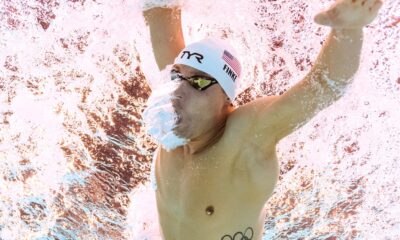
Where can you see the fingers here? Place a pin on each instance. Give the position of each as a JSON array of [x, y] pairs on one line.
[[376, 5], [349, 13], [371, 8], [370, 4]]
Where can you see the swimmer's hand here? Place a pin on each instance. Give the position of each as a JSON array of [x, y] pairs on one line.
[[349, 14]]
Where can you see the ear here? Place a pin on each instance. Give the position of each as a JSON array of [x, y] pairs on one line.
[[228, 103]]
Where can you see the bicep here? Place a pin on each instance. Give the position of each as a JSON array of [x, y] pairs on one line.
[[295, 107]]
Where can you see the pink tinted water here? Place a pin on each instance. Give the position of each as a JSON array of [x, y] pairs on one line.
[[74, 155]]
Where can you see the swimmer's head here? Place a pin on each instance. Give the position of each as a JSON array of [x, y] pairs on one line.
[[198, 110], [206, 75], [218, 59]]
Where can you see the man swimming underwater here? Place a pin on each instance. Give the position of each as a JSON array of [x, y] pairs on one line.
[[216, 165]]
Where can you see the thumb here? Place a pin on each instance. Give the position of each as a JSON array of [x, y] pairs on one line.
[[322, 19]]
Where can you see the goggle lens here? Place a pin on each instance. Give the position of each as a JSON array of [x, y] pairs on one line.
[[200, 83]]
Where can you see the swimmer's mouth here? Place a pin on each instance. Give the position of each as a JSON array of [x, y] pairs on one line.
[[178, 120]]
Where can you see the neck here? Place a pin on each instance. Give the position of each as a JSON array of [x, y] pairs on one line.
[[205, 140]]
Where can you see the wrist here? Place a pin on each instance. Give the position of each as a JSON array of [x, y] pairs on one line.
[[348, 29], [150, 4], [346, 33], [162, 16], [158, 11]]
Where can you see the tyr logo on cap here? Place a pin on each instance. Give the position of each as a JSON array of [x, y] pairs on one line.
[[198, 56]]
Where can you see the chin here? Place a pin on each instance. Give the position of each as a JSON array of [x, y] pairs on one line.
[[171, 141], [181, 130]]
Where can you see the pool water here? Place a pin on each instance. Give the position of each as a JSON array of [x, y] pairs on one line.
[[74, 156]]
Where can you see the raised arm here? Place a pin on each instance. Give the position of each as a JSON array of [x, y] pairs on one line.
[[325, 83], [166, 34]]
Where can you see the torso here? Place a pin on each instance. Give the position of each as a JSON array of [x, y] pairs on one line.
[[218, 192]]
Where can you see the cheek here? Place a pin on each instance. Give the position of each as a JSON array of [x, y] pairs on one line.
[[195, 109], [204, 108], [198, 105]]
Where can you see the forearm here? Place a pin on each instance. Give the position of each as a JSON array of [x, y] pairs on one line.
[[339, 58], [166, 34]]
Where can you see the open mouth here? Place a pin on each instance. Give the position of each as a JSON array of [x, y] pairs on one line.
[[178, 119]]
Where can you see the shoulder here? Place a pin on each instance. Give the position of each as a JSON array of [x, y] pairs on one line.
[[241, 122], [246, 142], [248, 112]]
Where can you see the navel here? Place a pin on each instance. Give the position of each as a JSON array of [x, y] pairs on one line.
[[210, 210]]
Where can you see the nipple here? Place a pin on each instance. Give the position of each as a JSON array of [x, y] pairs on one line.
[[209, 210]]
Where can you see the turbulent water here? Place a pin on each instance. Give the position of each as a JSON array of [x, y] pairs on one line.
[[75, 161]]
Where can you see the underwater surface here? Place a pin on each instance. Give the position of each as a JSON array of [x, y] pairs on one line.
[[74, 156]]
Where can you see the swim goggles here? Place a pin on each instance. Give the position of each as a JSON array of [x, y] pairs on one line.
[[200, 83]]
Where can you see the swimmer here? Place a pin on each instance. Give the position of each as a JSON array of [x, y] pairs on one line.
[[215, 183]]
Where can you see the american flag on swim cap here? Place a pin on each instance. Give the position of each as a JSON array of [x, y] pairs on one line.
[[232, 62]]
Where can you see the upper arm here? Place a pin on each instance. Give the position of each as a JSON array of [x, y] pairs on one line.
[[336, 64], [166, 34], [284, 114], [325, 83]]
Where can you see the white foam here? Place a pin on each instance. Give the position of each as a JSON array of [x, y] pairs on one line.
[[142, 218], [160, 116]]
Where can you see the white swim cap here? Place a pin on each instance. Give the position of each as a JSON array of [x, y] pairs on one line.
[[217, 58]]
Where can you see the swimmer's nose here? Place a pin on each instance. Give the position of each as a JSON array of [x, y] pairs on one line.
[[176, 103], [178, 94], [181, 88]]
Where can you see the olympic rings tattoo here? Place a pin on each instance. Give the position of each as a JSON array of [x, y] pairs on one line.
[[247, 235]]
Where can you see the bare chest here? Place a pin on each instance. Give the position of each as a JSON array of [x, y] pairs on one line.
[[215, 192]]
